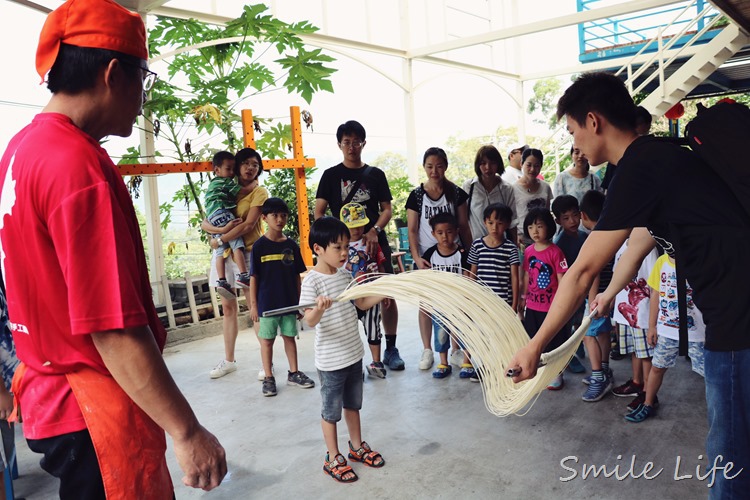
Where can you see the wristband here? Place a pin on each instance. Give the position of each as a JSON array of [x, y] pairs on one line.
[[219, 241]]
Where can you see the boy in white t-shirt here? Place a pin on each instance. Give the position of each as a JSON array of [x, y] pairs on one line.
[[664, 324], [338, 348]]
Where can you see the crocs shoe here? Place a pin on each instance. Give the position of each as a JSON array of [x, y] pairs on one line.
[[392, 359], [467, 370], [442, 371], [556, 384]]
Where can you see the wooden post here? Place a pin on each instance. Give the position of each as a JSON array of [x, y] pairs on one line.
[[168, 301], [300, 184], [191, 297], [248, 129]]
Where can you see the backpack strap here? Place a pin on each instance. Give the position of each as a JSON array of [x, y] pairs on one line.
[[681, 291], [471, 192], [349, 197]]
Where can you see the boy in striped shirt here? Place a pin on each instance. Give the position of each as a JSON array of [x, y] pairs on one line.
[[338, 346]]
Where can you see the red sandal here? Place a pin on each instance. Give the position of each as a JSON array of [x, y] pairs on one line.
[[338, 469], [365, 455]]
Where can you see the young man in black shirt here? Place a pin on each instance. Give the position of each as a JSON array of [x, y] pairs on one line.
[[352, 180], [664, 193]]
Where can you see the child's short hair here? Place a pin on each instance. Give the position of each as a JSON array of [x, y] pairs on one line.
[[490, 154], [543, 215], [326, 231], [564, 203], [245, 154], [351, 128], [443, 218], [502, 211], [601, 93], [274, 206], [220, 157], [592, 204]]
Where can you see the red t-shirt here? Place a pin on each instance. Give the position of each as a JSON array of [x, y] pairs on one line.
[[73, 261]]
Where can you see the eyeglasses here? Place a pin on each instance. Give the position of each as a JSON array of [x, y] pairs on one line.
[[149, 77], [355, 144]]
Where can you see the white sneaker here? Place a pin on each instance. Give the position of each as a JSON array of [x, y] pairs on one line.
[[427, 360], [262, 374], [457, 357], [223, 368]]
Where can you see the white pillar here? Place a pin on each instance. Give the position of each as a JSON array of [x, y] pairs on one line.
[[412, 161]]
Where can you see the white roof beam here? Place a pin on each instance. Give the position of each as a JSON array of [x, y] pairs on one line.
[[539, 26]]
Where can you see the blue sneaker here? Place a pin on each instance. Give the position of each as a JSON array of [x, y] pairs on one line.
[[640, 414], [575, 366], [392, 359], [597, 389], [587, 380], [442, 371]]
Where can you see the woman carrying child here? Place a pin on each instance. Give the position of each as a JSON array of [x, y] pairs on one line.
[[248, 167], [543, 267], [435, 196]]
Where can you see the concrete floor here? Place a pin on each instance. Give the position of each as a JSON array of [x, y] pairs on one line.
[[438, 439]]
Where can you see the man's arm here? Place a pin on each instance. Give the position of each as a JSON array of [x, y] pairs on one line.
[[371, 237], [639, 245], [320, 208], [133, 358], [598, 249]]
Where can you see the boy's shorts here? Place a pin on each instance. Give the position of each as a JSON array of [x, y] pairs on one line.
[[633, 340], [599, 326], [667, 350], [341, 389], [221, 218], [269, 327]]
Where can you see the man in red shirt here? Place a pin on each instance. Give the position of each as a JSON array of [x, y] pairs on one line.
[[95, 393]]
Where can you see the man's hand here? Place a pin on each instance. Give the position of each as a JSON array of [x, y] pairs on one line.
[[422, 263], [527, 359], [602, 304], [6, 403], [372, 242], [202, 459]]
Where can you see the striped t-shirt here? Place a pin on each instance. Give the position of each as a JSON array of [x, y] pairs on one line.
[[493, 265], [337, 340]]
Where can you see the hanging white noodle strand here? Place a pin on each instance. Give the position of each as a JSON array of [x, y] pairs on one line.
[[484, 323]]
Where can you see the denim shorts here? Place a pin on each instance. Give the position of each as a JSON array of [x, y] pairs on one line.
[[666, 351], [341, 389], [221, 218], [599, 326], [270, 326]]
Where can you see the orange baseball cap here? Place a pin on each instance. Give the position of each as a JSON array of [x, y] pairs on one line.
[[99, 24]]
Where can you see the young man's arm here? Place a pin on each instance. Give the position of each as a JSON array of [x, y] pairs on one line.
[[598, 249], [320, 208], [133, 358], [639, 245], [371, 236]]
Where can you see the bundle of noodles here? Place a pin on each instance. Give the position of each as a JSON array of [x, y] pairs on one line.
[[483, 322]]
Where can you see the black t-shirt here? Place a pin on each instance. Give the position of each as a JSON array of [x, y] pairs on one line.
[[609, 174], [336, 183], [670, 191], [277, 266]]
